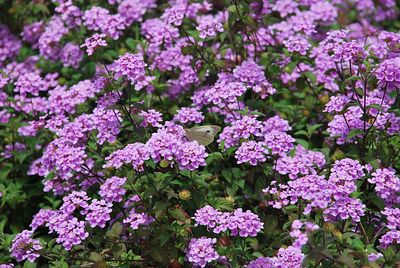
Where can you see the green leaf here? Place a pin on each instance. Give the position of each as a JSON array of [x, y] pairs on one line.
[[178, 214], [115, 231], [353, 133], [221, 204]]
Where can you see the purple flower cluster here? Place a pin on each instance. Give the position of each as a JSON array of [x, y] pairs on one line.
[[393, 235], [24, 247], [131, 66], [239, 222], [387, 184], [93, 42], [134, 154], [151, 118], [201, 251], [301, 237], [189, 115], [111, 190], [136, 219]]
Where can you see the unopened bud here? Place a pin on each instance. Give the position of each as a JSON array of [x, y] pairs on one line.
[[185, 195]]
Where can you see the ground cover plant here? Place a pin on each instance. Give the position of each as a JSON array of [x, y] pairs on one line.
[[220, 133]]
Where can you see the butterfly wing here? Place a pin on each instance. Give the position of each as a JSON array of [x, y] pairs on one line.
[[204, 135]]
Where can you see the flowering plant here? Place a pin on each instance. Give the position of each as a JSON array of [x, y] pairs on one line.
[[229, 133]]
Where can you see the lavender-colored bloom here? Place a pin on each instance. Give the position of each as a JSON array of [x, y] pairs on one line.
[[93, 42], [251, 152], [111, 190], [261, 262], [93, 17], [24, 247], [278, 142], [9, 45], [113, 25], [344, 208], [191, 155], [209, 26], [239, 222], [41, 218], [374, 256], [174, 15], [151, 117], [134, 10], [297, 44], [201, 251], [32, 33], [70, 230], [189, 115], [71, 55], [74, 201], [336, 104], [252, 75], [131, 66], [98, 213], [288, 257], [350, 51], [137, 219], [387, 184], [134, 154]]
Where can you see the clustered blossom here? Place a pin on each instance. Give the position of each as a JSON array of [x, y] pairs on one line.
[[239, 222], [131, 66], [393, 235], [209, 27], [201, 251], [24, 247], [136, 219], [251, 152], [297, 44], [98, 213], [151, 118], [336, 104], [135, 154], [387, 184], [174, 16], [301, 237], [189, 115], [111, 190], [93, 42], [252, 75]]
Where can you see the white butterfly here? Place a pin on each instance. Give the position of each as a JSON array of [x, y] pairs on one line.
[[204, 135]]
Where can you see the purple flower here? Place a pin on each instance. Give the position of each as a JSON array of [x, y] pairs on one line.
[[201, 251], [387, 184], [71, 55], [134, 154], [151, 118], [336, 104], [251, 152], [70, 230], [136, 219], [93, 42], [131, 66], [191, 155], [174, 16], [261, 262], [41, 218], [252, 75], [297, 44], [111, 190], [288, 257], [24, 247], [374, 256], [98, 213], [208, 26], [189, 115]]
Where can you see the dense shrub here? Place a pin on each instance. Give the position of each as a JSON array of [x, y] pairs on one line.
[[191, 134]]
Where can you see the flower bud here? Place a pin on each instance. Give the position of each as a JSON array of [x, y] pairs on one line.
[[185, 195]]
